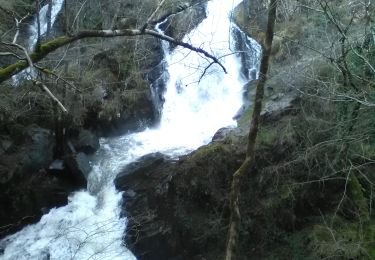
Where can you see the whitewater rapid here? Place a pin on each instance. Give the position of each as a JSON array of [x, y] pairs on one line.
[[196, 106]]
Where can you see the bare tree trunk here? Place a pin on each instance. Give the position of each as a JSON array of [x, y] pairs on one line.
[[66, 14], [246, 166], [246, 10], [49, 14], [37, 3]]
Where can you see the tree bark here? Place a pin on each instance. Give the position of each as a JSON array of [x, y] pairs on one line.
[[54, 44], [37, 3], [246, 11], [49, 18], [66, 18], [248, 164]]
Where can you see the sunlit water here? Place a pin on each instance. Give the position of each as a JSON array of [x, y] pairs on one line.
[[90, 226]]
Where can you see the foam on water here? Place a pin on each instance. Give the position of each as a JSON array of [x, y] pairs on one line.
[[90, 226]]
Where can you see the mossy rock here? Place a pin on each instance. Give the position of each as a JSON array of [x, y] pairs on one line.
[[208, 151], [244, 120]]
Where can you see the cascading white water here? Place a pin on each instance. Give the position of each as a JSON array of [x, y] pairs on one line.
[[33, 28], [90, 226], [43, 20]]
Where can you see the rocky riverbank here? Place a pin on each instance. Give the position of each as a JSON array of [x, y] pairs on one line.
[[178, 209], [295, 205], [43, 154], [300, 203]]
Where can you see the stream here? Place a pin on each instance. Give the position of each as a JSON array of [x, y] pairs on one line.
[[91, 226]]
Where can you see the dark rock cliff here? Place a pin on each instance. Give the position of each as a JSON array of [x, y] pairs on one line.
[[109, 94]]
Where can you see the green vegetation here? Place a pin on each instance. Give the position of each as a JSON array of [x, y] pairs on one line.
[[311, 194], [311, 197], [7, 8]]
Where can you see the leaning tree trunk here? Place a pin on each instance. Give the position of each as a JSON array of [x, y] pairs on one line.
[[246, 166]]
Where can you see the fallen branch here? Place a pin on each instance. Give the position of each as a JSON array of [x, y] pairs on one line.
[[52, 96]]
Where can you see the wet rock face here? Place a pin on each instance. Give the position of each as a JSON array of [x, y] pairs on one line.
[[183, 18], [176, 208], [27, 200], [35, 152], [247, 52], [86, 141], [145, 183], [78, 168], [27, 190]]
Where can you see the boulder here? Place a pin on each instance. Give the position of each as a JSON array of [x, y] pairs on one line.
[[87, 142], [174, 207], [78, 166], [33, 151], [27, 190], [25, 201], [176, 25], [143, 165], [146, 188], [222, 133], [40, 150]]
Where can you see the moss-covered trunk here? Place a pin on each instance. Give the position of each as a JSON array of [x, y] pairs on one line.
[[248, 163]]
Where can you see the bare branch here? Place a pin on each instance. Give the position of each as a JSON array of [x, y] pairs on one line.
[[152, 15], [54, 44], [49, 93], [310, 8], [36, 82], [18, 22], [10, 54], [344, 194], [363, 58], [186, 45], [50, 72]]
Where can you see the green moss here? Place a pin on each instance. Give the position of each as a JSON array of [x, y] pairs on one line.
[[245, 118], [208, 150], [251, 27], [54, 44], [267, 135], [12, 69], [45, 49], [369, 239]]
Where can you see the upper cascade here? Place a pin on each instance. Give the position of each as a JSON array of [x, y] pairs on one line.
[[199, 99]]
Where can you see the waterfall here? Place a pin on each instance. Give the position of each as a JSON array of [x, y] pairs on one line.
[[33, 29], [199, 99], [56, 7]]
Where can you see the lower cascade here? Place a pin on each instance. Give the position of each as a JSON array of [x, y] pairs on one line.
[[199, 99]]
